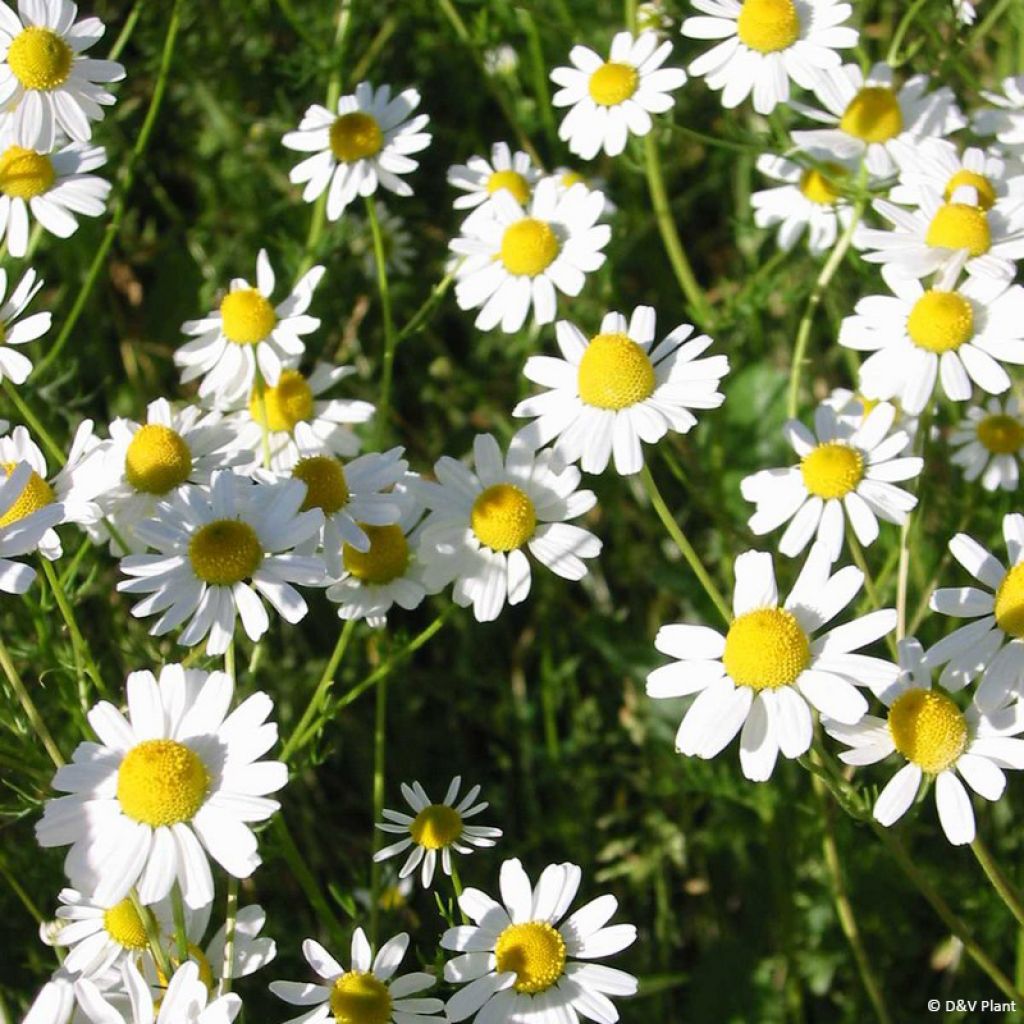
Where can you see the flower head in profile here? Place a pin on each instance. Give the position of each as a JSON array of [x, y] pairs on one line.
[[1004, 119], [14, 365], [23, 530], [989, 444]]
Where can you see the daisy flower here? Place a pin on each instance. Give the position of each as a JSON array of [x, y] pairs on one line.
[[939, 742], [1005, 118], [618, 388], [990, 443], [566, 177], [217, 552], [844, 473], [769, 670], [367, 143], [517, 257], [521, 958], [56, 1002], [865, 115], [367, 993], [479, 178], [54, 187], [13, 365], [247, 333], [397, 242], [611, 99], [178, 779], [252, 952], [959, 335], [24, 528], [435, 828], [480, 522], [47, 85], [767, 43]]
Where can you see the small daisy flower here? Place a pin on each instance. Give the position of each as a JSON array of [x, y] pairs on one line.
[[939, 742], [247, 333], [366, 144], [367, 993], [766, 44], [25, 525], [178, 779], [481, 522], [965, 11], [517, 257], [619, 388], [218, 552], [1005, 118], [566, 177], [435, 828], [958, 335], [53, 187], [13, 365], [866, 115], [47, 85], [399, 249], [611, 99], [56, 1002], [844, 473], [990, 444], [523, 960], [478, 179]]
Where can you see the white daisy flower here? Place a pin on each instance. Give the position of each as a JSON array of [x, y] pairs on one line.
[[990, 444], [245, 333], [619, 388], [516, 257], [767, 43], [218, 551], [367, 993], [252, 951], [53, 187], [769, 671], [479, 178], [1005, 118], [26, 523], [435, 828], [526, 962], [852, 408], [866, 114], [959, 335], [611, 99], [14, 365], [844, 473], [397, 241], [178, 779], [480, 522], [939, 742], [366, 144], [56, 1003], [566, 177], [47, 86]]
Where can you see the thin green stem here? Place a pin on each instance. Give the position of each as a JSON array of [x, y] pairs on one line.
[[260, 387], [379, 760], [126, 31], [387, 367], [149, 923], [78, 641], [227, 972], [457, 889], [21, 893], [893, 56], [924, 428], [27, 705], [994, 873], [426, 310], [870, 587], [55, 451], [180, 930], [229, 660]]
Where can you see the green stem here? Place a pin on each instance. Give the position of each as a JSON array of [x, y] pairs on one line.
[[78, 641], [1003, 886], [27, 705], [148, 920], [229, 660], [430, 304], [260, 387], [55, 451], [227, 971], [387, 368], [893, 56], [924, 428], [379, 756], [126, 31], [180, 931], [457, 889], [870, 588]]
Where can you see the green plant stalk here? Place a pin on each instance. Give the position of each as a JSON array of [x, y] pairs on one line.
[[229, 660], [924, 428], [78, 641], [893, 56], [457, 889], [379, 762], [1006, 890], [870, 588], [152, 935], [27, 705], [126, 31], [426, 310], [230, 921], [55, 451], [180, 931], [388, 363], [260, 387]]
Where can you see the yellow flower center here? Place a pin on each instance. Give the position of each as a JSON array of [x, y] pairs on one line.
[[225, 552], [436, 826], [287, 404], [980, 184], [24, 173], [157, 460], [161, 782], [36, 495], [960, 226], [534, 952], [358, 997], [766, 649], [39, 58], [326, 486], [832, 470], [528, 247], [511, 180], [928, 729], [570, 178], [355, 136], [941, 321], [391, 898], [614, 372], [820, 186], [768, 25], [503, 517], [613, 83], [1001, 434], [1009, 607], [124, 926], [873, 115], [247, 316], [387, 559], [201, 961]]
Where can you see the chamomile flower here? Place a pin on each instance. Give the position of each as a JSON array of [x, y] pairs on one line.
[[844, 473], [517, 256], [481, 524], [218, 552], [618, 388], [26, 522], [396, 240], [252, 951], [766, 44], [990, 444], [47, 86], [1005, 118], [14, 365], [611, 99], [958, 335], [479, 178], [367, 143], [247, 332], [435, 829], [56, 1002], [524, 961], [940, 742], [367, 993]]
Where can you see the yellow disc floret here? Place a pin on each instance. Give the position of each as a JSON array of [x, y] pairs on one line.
[[873, 115], [960, 226], [765, 649], [326, 486], [39, 58], [247, 316], [157, 459], [225, 552], [613, 83], [503, 517], [980, 184], [162, 782], [356, 136], [528, 247], [832, 470], [24, 173], [124, 926], [928, 729], [941, 321], [1001, 434], [1009, 607], [436, 826], [387, 559], [615, 372], [287, 404], [513, 181], [37, 494], [768, 25], [359, 997], [820, 186], [534, 952]]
